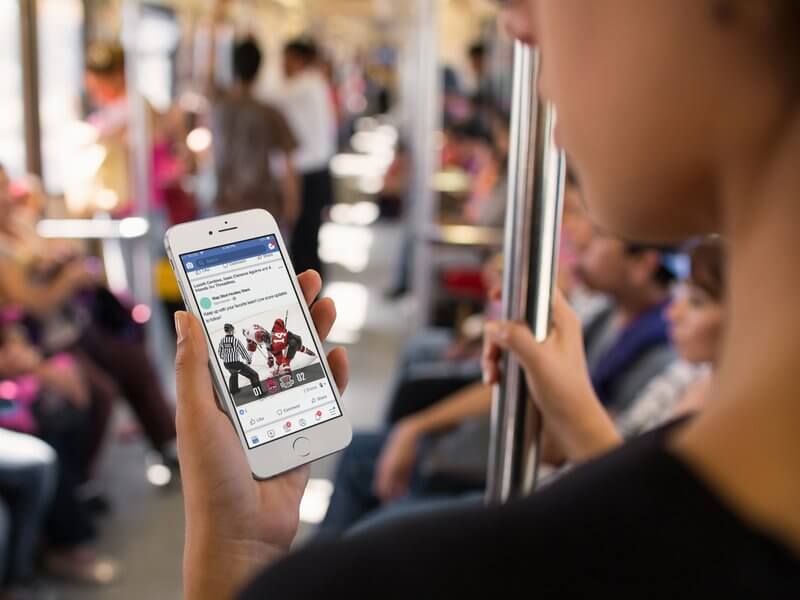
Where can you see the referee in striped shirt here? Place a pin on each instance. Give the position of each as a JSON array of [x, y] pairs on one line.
[[230, 349]]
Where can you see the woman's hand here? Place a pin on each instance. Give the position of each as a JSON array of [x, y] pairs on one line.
[[557, 377], [234, 524], [396, 463]]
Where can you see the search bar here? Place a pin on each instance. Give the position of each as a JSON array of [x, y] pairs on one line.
[[224, 258]]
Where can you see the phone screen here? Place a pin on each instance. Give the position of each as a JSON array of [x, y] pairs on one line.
[[261, 339]]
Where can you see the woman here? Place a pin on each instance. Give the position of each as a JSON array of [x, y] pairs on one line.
[[696, 317], [47, 291], [682, 118]]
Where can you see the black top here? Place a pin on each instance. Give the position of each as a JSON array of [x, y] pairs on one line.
[[636, 521]]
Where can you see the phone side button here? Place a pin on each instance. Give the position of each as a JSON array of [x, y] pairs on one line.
[[302, 447]]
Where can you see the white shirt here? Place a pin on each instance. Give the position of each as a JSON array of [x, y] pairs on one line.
[[307, 106]]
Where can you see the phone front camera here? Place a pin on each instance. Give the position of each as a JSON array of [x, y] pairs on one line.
[[210, 233]]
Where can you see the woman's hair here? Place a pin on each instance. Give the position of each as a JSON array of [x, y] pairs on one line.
[[708, 266]]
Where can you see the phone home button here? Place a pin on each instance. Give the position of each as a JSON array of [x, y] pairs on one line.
[[302, 447]]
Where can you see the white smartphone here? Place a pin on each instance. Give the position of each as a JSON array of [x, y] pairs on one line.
[[267, 362]]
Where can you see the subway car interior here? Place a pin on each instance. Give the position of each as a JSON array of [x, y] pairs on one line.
[[549, 255]]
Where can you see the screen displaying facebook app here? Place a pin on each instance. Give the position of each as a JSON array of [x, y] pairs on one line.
[[260, 338]]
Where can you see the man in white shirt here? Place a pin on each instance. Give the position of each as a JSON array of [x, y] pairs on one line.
[[306, 101]]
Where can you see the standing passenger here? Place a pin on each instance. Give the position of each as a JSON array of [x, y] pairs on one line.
[[306, 101], [248, 135]]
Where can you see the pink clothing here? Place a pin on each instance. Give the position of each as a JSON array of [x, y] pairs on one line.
[[22, 392]]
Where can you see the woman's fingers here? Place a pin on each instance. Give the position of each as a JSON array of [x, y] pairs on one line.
[[191, 365], [323, 313], [198, 413], [515, 337], [340, 368], [311, 284]]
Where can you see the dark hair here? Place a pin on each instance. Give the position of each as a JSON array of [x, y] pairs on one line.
[[477, 50], [103, 58], [305, 50], [246, 60], [708, 266], [663, 276]]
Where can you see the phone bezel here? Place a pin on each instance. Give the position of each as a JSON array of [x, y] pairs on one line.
[[277, 456]]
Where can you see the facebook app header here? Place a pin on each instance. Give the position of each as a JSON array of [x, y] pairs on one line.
[[230, 253]]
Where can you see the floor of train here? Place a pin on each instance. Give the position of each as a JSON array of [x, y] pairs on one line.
[[145, 529]]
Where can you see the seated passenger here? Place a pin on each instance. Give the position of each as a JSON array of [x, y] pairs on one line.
[[27, 478], [696, 316], [437, 361], [66, 308], [627, 346], [627, 343], [48, 399]]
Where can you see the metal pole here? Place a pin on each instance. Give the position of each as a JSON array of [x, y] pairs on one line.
[[29, 51], [140, 155], [427, 115], [533, 215]]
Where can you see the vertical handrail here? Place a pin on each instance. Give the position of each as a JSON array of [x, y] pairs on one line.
[[29, 52], [533, 218], [140, 159], [427, 116]]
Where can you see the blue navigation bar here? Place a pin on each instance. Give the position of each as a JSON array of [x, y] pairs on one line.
[[229, 253]]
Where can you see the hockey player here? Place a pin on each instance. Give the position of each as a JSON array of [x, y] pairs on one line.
[[284, 345]]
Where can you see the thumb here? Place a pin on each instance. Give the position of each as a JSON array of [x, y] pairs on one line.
[[194, 388], [517, 338]]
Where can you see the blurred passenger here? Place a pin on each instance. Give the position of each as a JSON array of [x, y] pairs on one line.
[[627, 344], [481, 94], [253, 146], [438, 361], [391, 199], [486, 205], [306, 102], [457, 107], [44, 402], [696, 317], [28, 474], [112, 189], [67, 311]]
